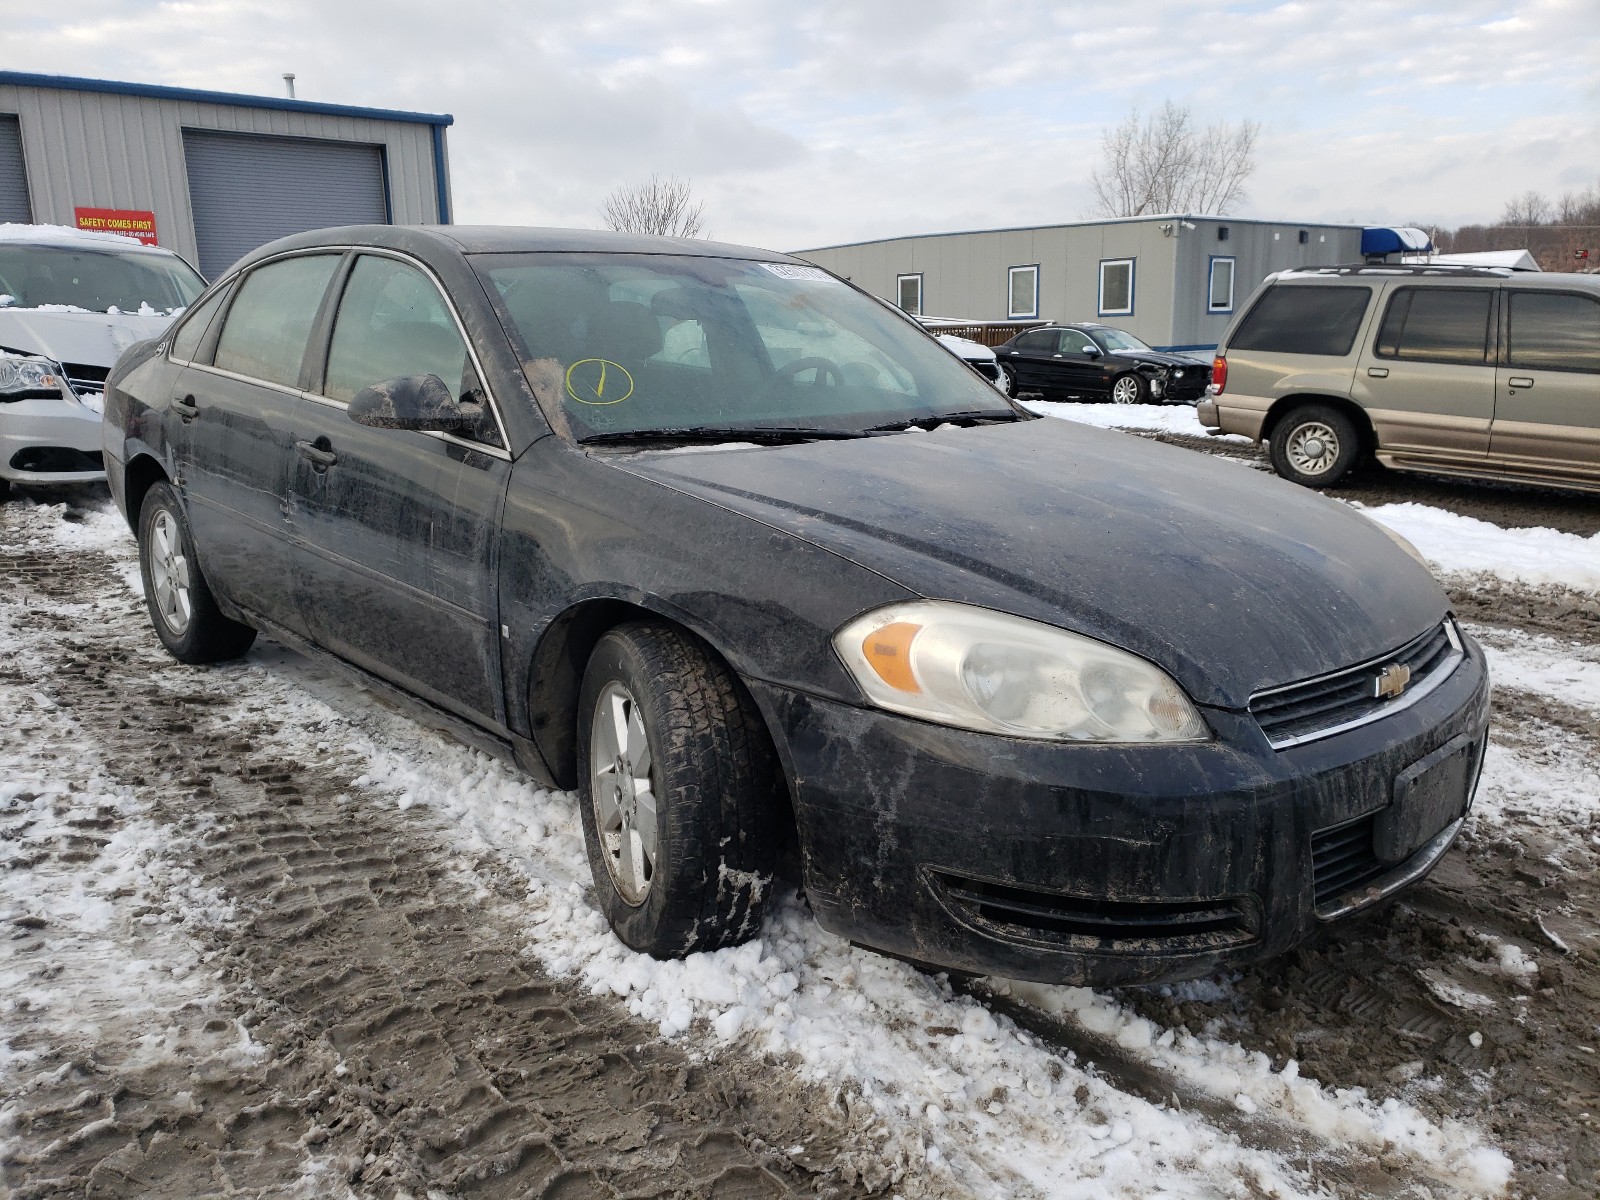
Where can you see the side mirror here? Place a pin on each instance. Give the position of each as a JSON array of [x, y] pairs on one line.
[[418, 402], [1092, 350]]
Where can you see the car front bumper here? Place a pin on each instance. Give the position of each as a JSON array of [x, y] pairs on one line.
[[1105, 865], [50, 440]]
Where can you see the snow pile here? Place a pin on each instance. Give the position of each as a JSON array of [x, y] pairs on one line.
[[966, 348], [16, 232], [1181, 419], [1467, 545], [1564, 671]]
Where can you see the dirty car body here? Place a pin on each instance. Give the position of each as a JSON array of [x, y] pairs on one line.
[[1043, 700]]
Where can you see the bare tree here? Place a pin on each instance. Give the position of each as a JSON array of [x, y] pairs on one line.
[[1165, 164], [663, 206], [1526, 210]]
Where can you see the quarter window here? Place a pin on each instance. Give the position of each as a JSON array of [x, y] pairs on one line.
[[186, 342], [265, 332], [393, 322], [1304, 319], [1555, 331], [1219, 296], [1448, 325], [1116, 287], [909, 291], [1023, 290]]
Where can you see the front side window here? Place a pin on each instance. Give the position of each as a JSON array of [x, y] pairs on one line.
[[1219, 298], [392, 322], [1024, 291], [1119, 339], [265, 332], [1075, 341], [1435, 324], [1304, 319], [909, 289], [652, 344], [1555, 331], [94, 279], [1116, 287]]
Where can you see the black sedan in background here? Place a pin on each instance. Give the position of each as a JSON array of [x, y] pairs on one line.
[[749, 561], [1096, 362]]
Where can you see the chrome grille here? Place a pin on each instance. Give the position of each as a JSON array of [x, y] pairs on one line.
[[1329, 704]]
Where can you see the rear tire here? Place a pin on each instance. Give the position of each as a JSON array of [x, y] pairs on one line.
[[678, 793], [182, 609], [1315, 445]]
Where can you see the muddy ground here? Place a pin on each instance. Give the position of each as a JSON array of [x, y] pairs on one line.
[[378, 1028]]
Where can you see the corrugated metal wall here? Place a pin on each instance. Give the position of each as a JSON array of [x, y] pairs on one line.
[[13, 173], [97, 149], [246, 190]]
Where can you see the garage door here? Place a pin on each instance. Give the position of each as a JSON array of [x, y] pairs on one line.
[[247, 189], [13, 174]]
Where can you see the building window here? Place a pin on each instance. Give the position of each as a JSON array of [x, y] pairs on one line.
[[1023, 292], [1219, 297], [909, 290], [1116, 287]]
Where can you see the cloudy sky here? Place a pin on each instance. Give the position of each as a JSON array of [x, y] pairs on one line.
[[820, 121]]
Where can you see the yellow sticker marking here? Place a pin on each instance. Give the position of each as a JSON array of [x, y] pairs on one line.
[[598, 381]]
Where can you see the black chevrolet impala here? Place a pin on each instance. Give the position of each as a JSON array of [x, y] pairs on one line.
[[750, 561]]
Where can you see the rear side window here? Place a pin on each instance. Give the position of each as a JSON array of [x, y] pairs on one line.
[[265, 332], [1039, 339], [1304, 320], [186, 342], [1555, 331], [1435, 324]]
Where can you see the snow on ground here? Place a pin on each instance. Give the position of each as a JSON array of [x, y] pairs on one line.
[[1533, 662], [1466, 545], [1160, 418]]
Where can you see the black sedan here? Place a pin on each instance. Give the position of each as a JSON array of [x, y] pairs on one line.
[[750, 561], [1096, 362]]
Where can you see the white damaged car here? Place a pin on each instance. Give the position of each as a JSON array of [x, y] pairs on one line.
[[70, 303]]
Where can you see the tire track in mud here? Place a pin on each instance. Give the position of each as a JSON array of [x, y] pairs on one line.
[[405, 1046]]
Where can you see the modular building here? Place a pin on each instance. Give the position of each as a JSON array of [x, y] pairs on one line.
[[211, 175], [1172, 280]]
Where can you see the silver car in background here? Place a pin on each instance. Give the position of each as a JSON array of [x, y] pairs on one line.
[[70, 303]]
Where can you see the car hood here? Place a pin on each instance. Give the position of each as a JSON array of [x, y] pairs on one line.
[[1159, 358], [1230, 579], [87, 338]]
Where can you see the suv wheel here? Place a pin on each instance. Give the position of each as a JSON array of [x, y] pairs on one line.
[[677, 793], [1315, 446], [185, 616], [1130, 389]]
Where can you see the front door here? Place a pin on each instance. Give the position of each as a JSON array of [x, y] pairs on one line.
[[1081, 365], [396, 533], [236, 434], [1547, 410]]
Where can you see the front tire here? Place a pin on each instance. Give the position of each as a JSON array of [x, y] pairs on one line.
[[678, 793], [1316, 445], [182, 609], [1130, 388]]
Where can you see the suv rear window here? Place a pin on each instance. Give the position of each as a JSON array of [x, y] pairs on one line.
[[1304, 320], [1434, 324]]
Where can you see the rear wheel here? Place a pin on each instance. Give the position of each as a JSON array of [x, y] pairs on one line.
[[1130, 389], [1316, 445], [185, 615], [678, 793]]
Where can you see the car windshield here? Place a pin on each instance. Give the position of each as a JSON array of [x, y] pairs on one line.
[[1116, 339], [95, 280], [644, 345]]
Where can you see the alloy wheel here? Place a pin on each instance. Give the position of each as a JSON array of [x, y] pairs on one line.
[[624, 798], [169, 573], [1125, 390]]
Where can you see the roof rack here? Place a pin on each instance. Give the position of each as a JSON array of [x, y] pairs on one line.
[[1457, 269]]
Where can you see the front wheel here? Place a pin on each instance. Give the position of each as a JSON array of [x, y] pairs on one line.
[[182, 609], [678, 793], [1130, 389], [1316, 445]]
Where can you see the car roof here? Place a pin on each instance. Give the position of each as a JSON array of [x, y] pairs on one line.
[[1435, 275], [62, 237]]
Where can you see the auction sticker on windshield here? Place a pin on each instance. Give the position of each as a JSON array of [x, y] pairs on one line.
[[791, 271]]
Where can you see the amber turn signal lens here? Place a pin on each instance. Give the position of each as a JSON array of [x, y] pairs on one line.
[[888, 652]]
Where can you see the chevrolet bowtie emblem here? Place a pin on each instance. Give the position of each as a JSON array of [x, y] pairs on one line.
[[1391, 681]]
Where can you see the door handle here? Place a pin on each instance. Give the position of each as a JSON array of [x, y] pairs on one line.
[[1520, 381], [185, 407], [320, 457], [1378, 372]]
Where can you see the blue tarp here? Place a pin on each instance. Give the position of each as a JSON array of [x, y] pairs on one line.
[[1401, 240]]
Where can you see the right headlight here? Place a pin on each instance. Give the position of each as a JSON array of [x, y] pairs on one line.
[[27, 375], [988, 671]]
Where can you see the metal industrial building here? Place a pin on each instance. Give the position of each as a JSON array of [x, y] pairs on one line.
[[211, 175], [1172, 280]]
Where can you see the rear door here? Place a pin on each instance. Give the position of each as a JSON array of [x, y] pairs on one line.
[[1547, 410], [1030, 357], [395, 532], [1427, 378], [236, 433]]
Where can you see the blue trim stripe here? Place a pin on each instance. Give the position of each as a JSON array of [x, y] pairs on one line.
[[68, 83], [1181, 349], [441, 180]]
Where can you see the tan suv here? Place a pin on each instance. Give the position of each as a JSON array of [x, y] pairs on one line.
[[1457, 371]]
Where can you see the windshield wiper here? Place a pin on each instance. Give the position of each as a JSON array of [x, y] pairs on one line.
[[934, 422], [712, 433]]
